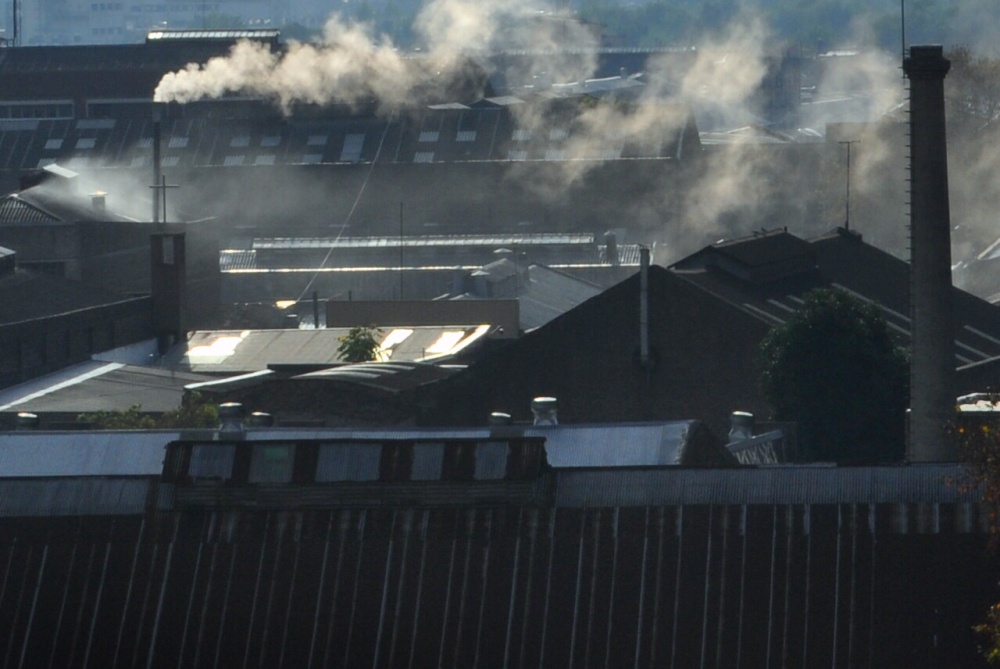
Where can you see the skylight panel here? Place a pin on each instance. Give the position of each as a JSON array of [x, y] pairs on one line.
[[353, 144], [233, 161], [86, 143], [517, 155], [177, 143], [53, 144], [465, 136], [423, 157], [429, 136], [317, 140], [270, 141], [240, 141]]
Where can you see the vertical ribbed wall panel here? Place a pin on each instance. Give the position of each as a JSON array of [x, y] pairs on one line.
[[694, 586]]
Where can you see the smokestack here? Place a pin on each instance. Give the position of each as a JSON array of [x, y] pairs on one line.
[[932, 363], [157, 174]]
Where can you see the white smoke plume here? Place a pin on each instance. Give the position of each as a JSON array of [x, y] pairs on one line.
[[352, 65]]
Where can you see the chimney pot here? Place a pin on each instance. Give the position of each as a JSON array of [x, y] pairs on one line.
[[99, 200]]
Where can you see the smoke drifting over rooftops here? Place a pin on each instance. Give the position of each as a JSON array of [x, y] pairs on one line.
[[735, 189], [352, 65]]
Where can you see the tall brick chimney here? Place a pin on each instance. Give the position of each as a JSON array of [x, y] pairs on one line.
[[932, 364]]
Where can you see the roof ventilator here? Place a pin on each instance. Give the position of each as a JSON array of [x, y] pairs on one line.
[[545, 409], [231, 417], [740, 426]]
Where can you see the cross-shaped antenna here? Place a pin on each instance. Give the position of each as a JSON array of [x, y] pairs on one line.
[[162, 187]]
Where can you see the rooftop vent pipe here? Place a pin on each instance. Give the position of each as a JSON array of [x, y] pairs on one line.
[[545, 409]]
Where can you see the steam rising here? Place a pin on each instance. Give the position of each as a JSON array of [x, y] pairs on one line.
[[727, 191], [352, 65]]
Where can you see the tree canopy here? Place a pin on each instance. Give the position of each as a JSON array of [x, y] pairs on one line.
[[360, 344], [195, 411], [836, 369]]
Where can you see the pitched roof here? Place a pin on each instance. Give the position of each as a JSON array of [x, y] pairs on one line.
[[702, 362], [25, 295], [96, 386], [839, 259]]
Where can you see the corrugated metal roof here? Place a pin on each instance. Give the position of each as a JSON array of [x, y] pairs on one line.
[[53, 454], [235, 352], [550, 293], [494, 241], [765, 485], [73, 497], [106, 387]]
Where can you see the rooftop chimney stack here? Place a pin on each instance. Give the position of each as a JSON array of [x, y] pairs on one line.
[[932, 362]]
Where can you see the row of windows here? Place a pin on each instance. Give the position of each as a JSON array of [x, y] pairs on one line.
[[351, 462], [37, 110]]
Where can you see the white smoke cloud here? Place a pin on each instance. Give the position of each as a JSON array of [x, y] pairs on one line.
[[352, 65]]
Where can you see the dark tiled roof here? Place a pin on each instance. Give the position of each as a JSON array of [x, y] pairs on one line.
[[702, 362], [842, 260], [436, 136], [26, 295]]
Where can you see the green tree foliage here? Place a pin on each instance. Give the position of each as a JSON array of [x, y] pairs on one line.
[[836, 369], [195, 411], [360, 344], [978, 440]]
